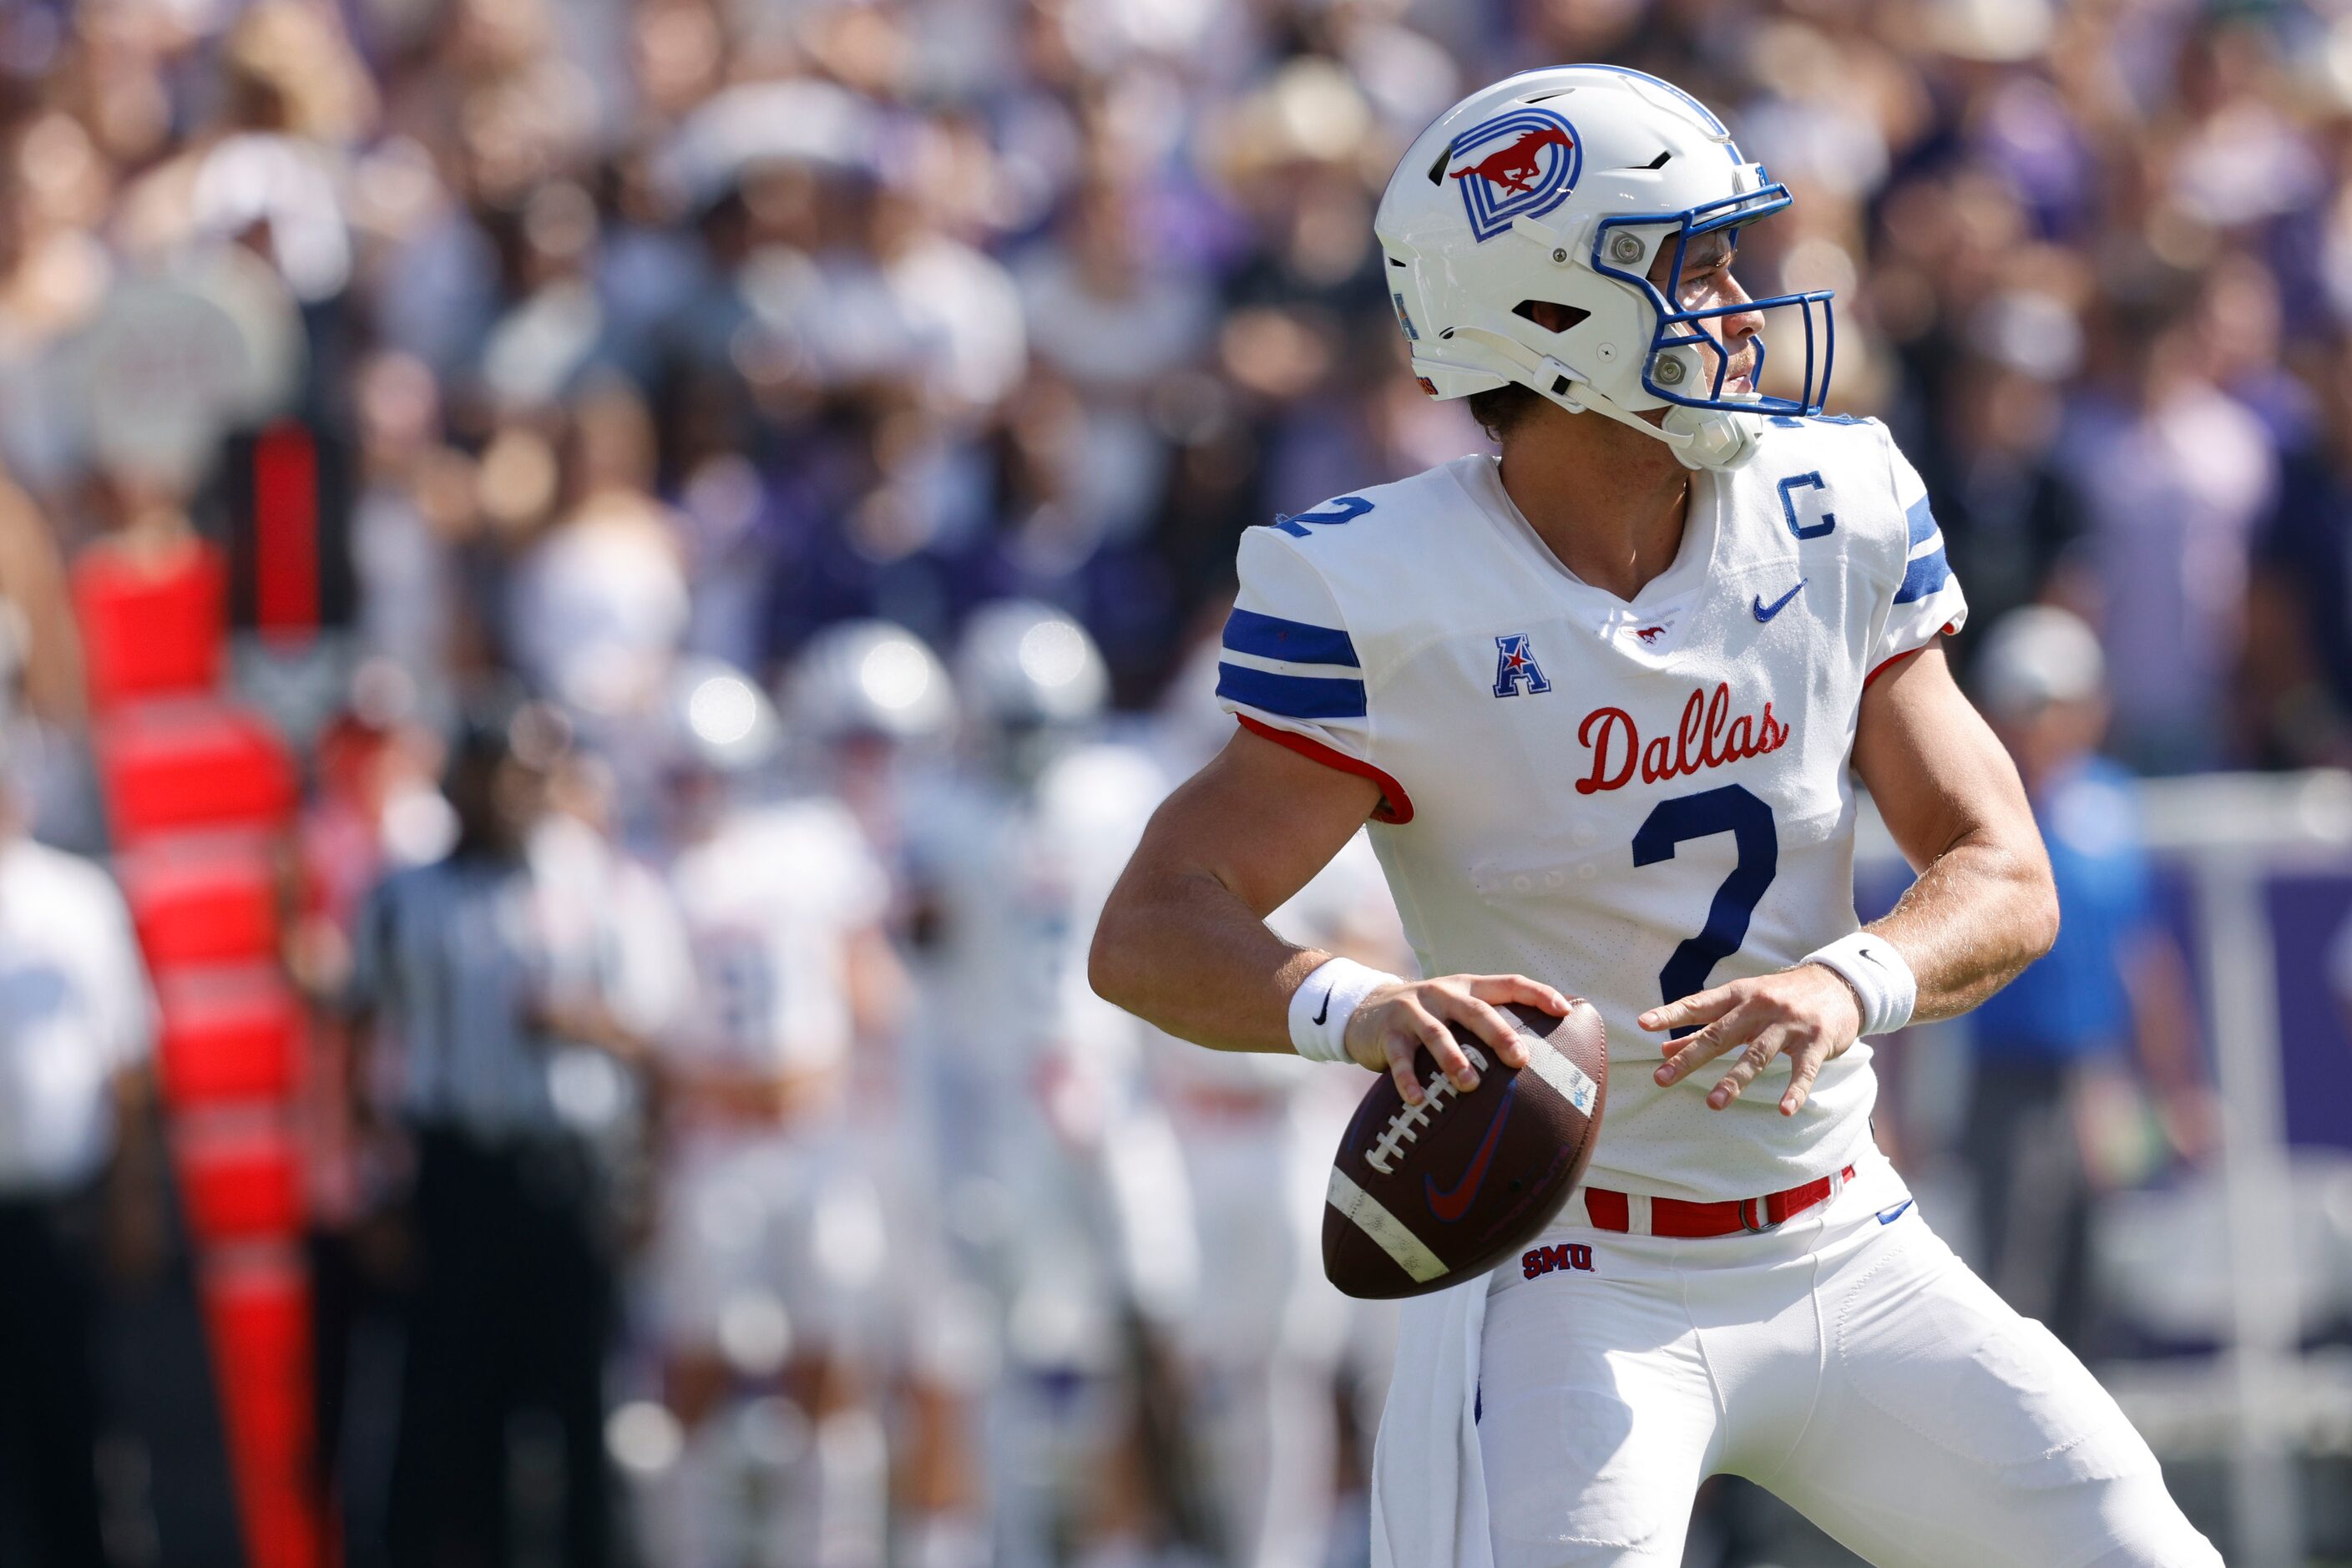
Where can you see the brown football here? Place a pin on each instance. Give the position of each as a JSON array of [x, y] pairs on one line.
[[1423, 1196]]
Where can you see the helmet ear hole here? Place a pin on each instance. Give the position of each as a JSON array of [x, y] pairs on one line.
[[1549, 314]]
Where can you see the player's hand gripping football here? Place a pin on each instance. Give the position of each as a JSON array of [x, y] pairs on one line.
[[1392, 1022], [1808, 1014]]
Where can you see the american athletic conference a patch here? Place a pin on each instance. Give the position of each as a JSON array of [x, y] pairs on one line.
[[1519, 165]]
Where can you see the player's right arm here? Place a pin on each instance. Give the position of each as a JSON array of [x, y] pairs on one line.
[[1183, 942]]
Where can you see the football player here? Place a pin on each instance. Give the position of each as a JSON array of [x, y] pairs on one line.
[[1603, 701], [773, 1242], [1265, 1346], [1073, 1203], [876, 709]]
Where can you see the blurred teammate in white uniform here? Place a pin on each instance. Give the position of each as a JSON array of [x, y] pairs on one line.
[[1604, 701], [1267, 1334], [871, 711], [1073, 1199], [773, 1242]]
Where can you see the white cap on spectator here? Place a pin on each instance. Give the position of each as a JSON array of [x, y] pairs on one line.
[[812, 123], [2032, 333], [278, 181], [2037, 656]]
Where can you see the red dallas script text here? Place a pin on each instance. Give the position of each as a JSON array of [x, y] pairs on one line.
[[1706, 738]]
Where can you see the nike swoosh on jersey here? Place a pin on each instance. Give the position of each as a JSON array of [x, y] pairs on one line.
[[1766, 612], [1325, 1011], [1888, 1217], [1452, 1205]]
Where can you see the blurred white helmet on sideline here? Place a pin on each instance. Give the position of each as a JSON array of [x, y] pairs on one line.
[[720, 721], [870, 678], [1021, 664]]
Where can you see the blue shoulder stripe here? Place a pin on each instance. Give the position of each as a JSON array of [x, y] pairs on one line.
[[1293, 642], [1922, 521], [1924, 576], [1292, 696]]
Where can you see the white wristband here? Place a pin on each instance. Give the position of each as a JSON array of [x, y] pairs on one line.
[[1324, 1002], [1881, 979]]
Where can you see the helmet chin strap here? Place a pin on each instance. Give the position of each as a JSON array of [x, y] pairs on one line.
[[1699, 438]]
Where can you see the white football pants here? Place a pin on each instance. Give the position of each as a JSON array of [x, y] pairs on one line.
[[1265, 1340], [1847, 1362]]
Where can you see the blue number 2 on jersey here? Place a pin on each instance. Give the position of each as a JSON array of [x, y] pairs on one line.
[[1346, 509], [1727, 809]]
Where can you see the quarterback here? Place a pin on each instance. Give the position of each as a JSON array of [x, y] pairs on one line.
[[1604, 702]]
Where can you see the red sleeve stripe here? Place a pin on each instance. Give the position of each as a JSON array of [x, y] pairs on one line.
[[1395, 807], [1886, 664]]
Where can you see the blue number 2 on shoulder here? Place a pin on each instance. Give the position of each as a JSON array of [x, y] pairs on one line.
[[1330, 514]]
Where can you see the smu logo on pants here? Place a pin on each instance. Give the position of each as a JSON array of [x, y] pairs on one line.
[[1537, 1261]]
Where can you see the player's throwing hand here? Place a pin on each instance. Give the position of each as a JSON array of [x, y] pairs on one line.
[[1809, 1013], [1392, 1022]]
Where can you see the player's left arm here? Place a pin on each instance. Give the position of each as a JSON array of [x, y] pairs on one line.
[[1983, 909]]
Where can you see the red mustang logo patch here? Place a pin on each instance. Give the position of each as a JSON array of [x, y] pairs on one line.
[[1521, 164], [1515, 167]]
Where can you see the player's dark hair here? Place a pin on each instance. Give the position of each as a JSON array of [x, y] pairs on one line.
[[1499, 409]]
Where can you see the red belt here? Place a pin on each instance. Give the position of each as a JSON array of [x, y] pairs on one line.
[[1219, 1102], [1689, 1221]]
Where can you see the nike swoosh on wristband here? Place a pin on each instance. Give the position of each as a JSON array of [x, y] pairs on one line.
[[1452, 1205], [1325, 1011], [1766, 612]]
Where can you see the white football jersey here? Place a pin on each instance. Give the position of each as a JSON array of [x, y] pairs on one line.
[[1020, 880], [1629, 801], [771, 902]]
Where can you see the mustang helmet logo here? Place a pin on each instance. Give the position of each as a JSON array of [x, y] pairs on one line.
[[1519, 165], [1515, 167]]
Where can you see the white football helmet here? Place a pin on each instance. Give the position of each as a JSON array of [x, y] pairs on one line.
[[1023, 665], [869, 677], [1561, 185], [721, 723]]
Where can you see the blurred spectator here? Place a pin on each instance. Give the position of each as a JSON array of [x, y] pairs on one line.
[[2009, 511], [2296, 701], [42, 704], [2053, 1114], [517, 980], [79, 1179], [2175, 477]]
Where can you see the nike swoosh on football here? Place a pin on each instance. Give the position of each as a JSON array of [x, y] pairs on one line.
[[1766, 612], [1452, 1205], [1326, 1010]]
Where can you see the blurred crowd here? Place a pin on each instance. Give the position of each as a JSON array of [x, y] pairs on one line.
[[641, 326], [798, 447]]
